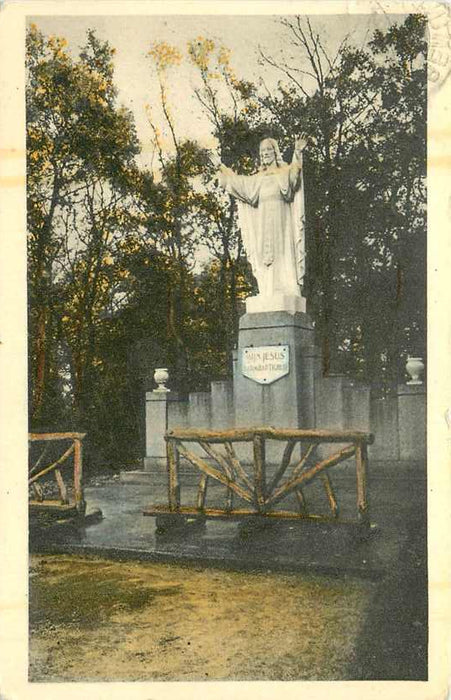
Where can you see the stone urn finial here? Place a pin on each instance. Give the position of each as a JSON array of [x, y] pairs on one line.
[[414, 368], [161, 376]]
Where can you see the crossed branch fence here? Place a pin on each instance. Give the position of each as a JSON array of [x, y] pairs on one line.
[[262, 493], [38, 502]]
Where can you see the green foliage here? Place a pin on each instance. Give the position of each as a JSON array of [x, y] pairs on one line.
[[80, 148], [219, 289]]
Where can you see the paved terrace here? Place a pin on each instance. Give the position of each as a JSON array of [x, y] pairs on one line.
[[397, 494]]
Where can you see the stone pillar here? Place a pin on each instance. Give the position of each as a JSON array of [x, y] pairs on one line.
[[384, 425], [158, 408], [332, 408], [222, 409], [357, 406], [178, 414], [412, 422], [199, 412], [330, 402]]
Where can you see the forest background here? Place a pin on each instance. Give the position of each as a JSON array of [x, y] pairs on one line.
[[137, 262]]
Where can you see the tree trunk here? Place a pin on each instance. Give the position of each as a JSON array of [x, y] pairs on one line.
[[234, 317], [43, 286], [40, 368], [175, 324]]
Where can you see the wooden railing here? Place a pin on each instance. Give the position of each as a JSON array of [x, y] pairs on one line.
[[260, 494], [37, 472]]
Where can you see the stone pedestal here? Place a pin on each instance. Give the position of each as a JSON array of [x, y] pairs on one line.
[[159, 406], [289, 400], [277, 302]]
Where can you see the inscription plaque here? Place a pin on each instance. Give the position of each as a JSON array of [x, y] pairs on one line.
[[267, 363]]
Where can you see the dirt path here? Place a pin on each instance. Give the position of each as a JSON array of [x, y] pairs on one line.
[[93, 619]]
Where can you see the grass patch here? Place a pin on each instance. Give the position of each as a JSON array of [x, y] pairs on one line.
[[99, 620], [58, 595]]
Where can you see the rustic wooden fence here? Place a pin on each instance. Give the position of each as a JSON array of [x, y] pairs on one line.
[[38, 503], [261, 494]]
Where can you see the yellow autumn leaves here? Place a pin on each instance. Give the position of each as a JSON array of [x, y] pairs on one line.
[[164, 55], [200, 50], [213, 66]]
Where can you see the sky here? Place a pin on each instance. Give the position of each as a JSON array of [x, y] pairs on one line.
[[132, 37]]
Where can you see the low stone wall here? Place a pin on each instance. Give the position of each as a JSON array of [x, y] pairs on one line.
[[398, 422]]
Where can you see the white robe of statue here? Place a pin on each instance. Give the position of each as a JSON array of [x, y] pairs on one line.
[[272, 223]]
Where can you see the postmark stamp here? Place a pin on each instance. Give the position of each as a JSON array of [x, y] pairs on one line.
[[439, 42], [438, 37]]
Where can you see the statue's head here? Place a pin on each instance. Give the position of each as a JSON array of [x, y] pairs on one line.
[[270, 154]]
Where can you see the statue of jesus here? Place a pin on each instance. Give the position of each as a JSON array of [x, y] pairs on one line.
[[272, 222]]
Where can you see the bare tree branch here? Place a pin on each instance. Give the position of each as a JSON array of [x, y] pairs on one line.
[[273, 63]]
